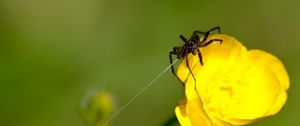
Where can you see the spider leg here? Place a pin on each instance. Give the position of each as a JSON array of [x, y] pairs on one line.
[[183, 38], [208, 32], [199, 32], [172, 67], [200, 56], [215, 28], [211, 41], [176, 50], [187, 63], [171, 62]]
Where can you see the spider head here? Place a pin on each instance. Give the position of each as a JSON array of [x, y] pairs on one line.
[[194, 39], [181, 55]]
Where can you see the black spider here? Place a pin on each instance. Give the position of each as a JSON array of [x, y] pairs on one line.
[[193, 46]]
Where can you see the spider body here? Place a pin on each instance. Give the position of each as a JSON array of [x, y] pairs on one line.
[[193, 46]]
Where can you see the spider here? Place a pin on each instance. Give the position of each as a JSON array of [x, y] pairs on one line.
[[193, 46]]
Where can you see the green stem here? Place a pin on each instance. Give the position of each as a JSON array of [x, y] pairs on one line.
[[171, 121]]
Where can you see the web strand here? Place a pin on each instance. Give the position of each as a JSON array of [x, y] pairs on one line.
[[139, 93]]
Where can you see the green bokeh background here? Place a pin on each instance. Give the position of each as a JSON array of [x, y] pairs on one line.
[[53, 51]]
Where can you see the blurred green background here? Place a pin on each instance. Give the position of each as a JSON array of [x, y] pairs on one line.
[[53, 51]]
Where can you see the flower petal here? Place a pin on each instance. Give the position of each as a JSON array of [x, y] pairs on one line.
[[182, 116], [268, 60], [253, 95], [195, 109]]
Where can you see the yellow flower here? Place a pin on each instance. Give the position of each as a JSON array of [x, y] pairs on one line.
[[235, 86], [97, 107]]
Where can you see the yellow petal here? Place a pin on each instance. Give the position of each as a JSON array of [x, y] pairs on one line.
[[227, 53], [215, 56], [254, 94], [268, 60], [281, 99], [182, 116], [194, 108]]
